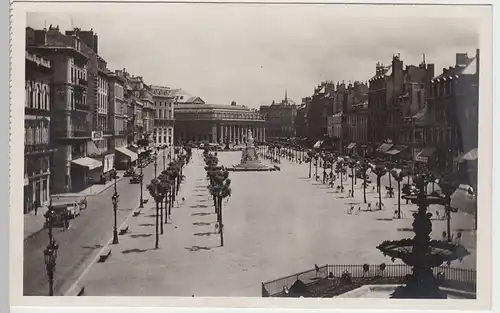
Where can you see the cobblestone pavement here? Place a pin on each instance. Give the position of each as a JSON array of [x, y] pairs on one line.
[[276, 224]]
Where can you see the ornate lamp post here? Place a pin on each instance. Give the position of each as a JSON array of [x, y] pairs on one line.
[[115, 198], [50, 252], [164, 159], [141, 176]]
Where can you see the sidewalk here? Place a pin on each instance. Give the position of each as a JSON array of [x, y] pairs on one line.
[[135, 264], [33, 224]]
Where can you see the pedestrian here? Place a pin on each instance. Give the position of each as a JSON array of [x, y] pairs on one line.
[[444, 235], [369, 206], [35, 207]]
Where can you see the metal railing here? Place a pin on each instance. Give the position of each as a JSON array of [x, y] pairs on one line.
[[464, 279]]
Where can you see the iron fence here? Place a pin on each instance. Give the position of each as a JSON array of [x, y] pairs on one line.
[[459, 278]]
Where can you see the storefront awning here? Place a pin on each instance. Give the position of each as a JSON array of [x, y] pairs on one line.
[[396, 150], [423, 155], [351, 145], [469, 156], [384, 147], [130, 154], [317, 145], [87, 162]]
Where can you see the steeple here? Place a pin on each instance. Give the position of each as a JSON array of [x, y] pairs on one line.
[[286, 97]]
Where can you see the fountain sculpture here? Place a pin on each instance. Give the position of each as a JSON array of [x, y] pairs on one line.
[[421, 252], [249, 158]]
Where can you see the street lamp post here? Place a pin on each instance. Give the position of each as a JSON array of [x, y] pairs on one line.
[[164, 159], [156, 162], [115, 198], [50, 252], [141, 204]]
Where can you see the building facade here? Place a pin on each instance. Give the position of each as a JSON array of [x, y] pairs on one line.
[[319, 108], [280, 119], [196, 121], [450, 124], [38, 149], [164, 103]]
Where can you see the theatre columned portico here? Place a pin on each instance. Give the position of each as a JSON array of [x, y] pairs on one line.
[[217, 123]]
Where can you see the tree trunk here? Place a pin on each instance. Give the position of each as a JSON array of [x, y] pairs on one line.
[[221, 226], [364, 187], [161, 216], [157, 241], [310, 168], [448, 222], [167, 207], [390, 181], [380, 198], [352, 182], [399, 199]]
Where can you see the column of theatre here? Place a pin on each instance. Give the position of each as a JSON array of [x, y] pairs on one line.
[[234, 133]]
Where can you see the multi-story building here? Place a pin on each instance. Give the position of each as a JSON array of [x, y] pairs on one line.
[[119, 110], [38, 148], [449, 127], [196, 121], [319, 108], [100, 147], [352, 97], [70, 113], [164, 116], [387, 107], [280, 119], [300, 122]]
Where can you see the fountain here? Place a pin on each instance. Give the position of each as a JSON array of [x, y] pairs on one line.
[[249, 158], [421, 252]]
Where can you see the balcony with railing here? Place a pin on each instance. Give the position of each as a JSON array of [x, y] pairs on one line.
[[76, 133], [38, 60]]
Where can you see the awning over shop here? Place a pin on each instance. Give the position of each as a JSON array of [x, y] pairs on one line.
[[384, 147], [317, 145], [469, 156], [87, 162], [396, 150], [423, 155], [351, 145], [130, 154]]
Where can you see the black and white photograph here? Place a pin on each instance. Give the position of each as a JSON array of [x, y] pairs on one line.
[[253, 150]]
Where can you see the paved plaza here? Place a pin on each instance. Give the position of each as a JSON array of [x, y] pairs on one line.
[[276, 224]]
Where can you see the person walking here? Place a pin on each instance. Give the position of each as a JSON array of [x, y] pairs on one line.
[[35, 207]]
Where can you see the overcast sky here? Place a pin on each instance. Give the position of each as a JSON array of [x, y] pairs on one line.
[[251, 54]]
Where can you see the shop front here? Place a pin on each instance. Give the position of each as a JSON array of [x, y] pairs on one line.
[[85, 172], [125, 158]]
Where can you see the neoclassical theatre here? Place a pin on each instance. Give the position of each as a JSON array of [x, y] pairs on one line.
[[197, 121]]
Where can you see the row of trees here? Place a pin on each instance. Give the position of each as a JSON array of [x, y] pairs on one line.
[[164, 188], [219, 187]]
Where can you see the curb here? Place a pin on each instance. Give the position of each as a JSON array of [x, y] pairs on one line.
[[34, 234], [75, 285]]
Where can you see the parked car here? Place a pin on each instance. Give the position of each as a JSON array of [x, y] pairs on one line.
[[135, 179], [129, 173]]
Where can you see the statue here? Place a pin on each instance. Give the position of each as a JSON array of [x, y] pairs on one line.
[[250, 138]]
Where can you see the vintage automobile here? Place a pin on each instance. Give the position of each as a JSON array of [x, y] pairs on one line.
[[136, 179], [129, 173]]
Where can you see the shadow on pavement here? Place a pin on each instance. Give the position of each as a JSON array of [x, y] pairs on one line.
[[202, 200], [465, 230], [146, 224], [205, 234], [198, 206], [135, 250], [140, 235], [384, 219], [92, 247], [304, 177], [202, 213], [201, 223], [405, 229], [197, 248]]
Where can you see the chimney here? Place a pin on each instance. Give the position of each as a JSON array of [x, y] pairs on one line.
[[430, 70], [461, 59], [233, 103]]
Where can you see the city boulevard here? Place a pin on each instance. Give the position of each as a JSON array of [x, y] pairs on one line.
[[276, 224]]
